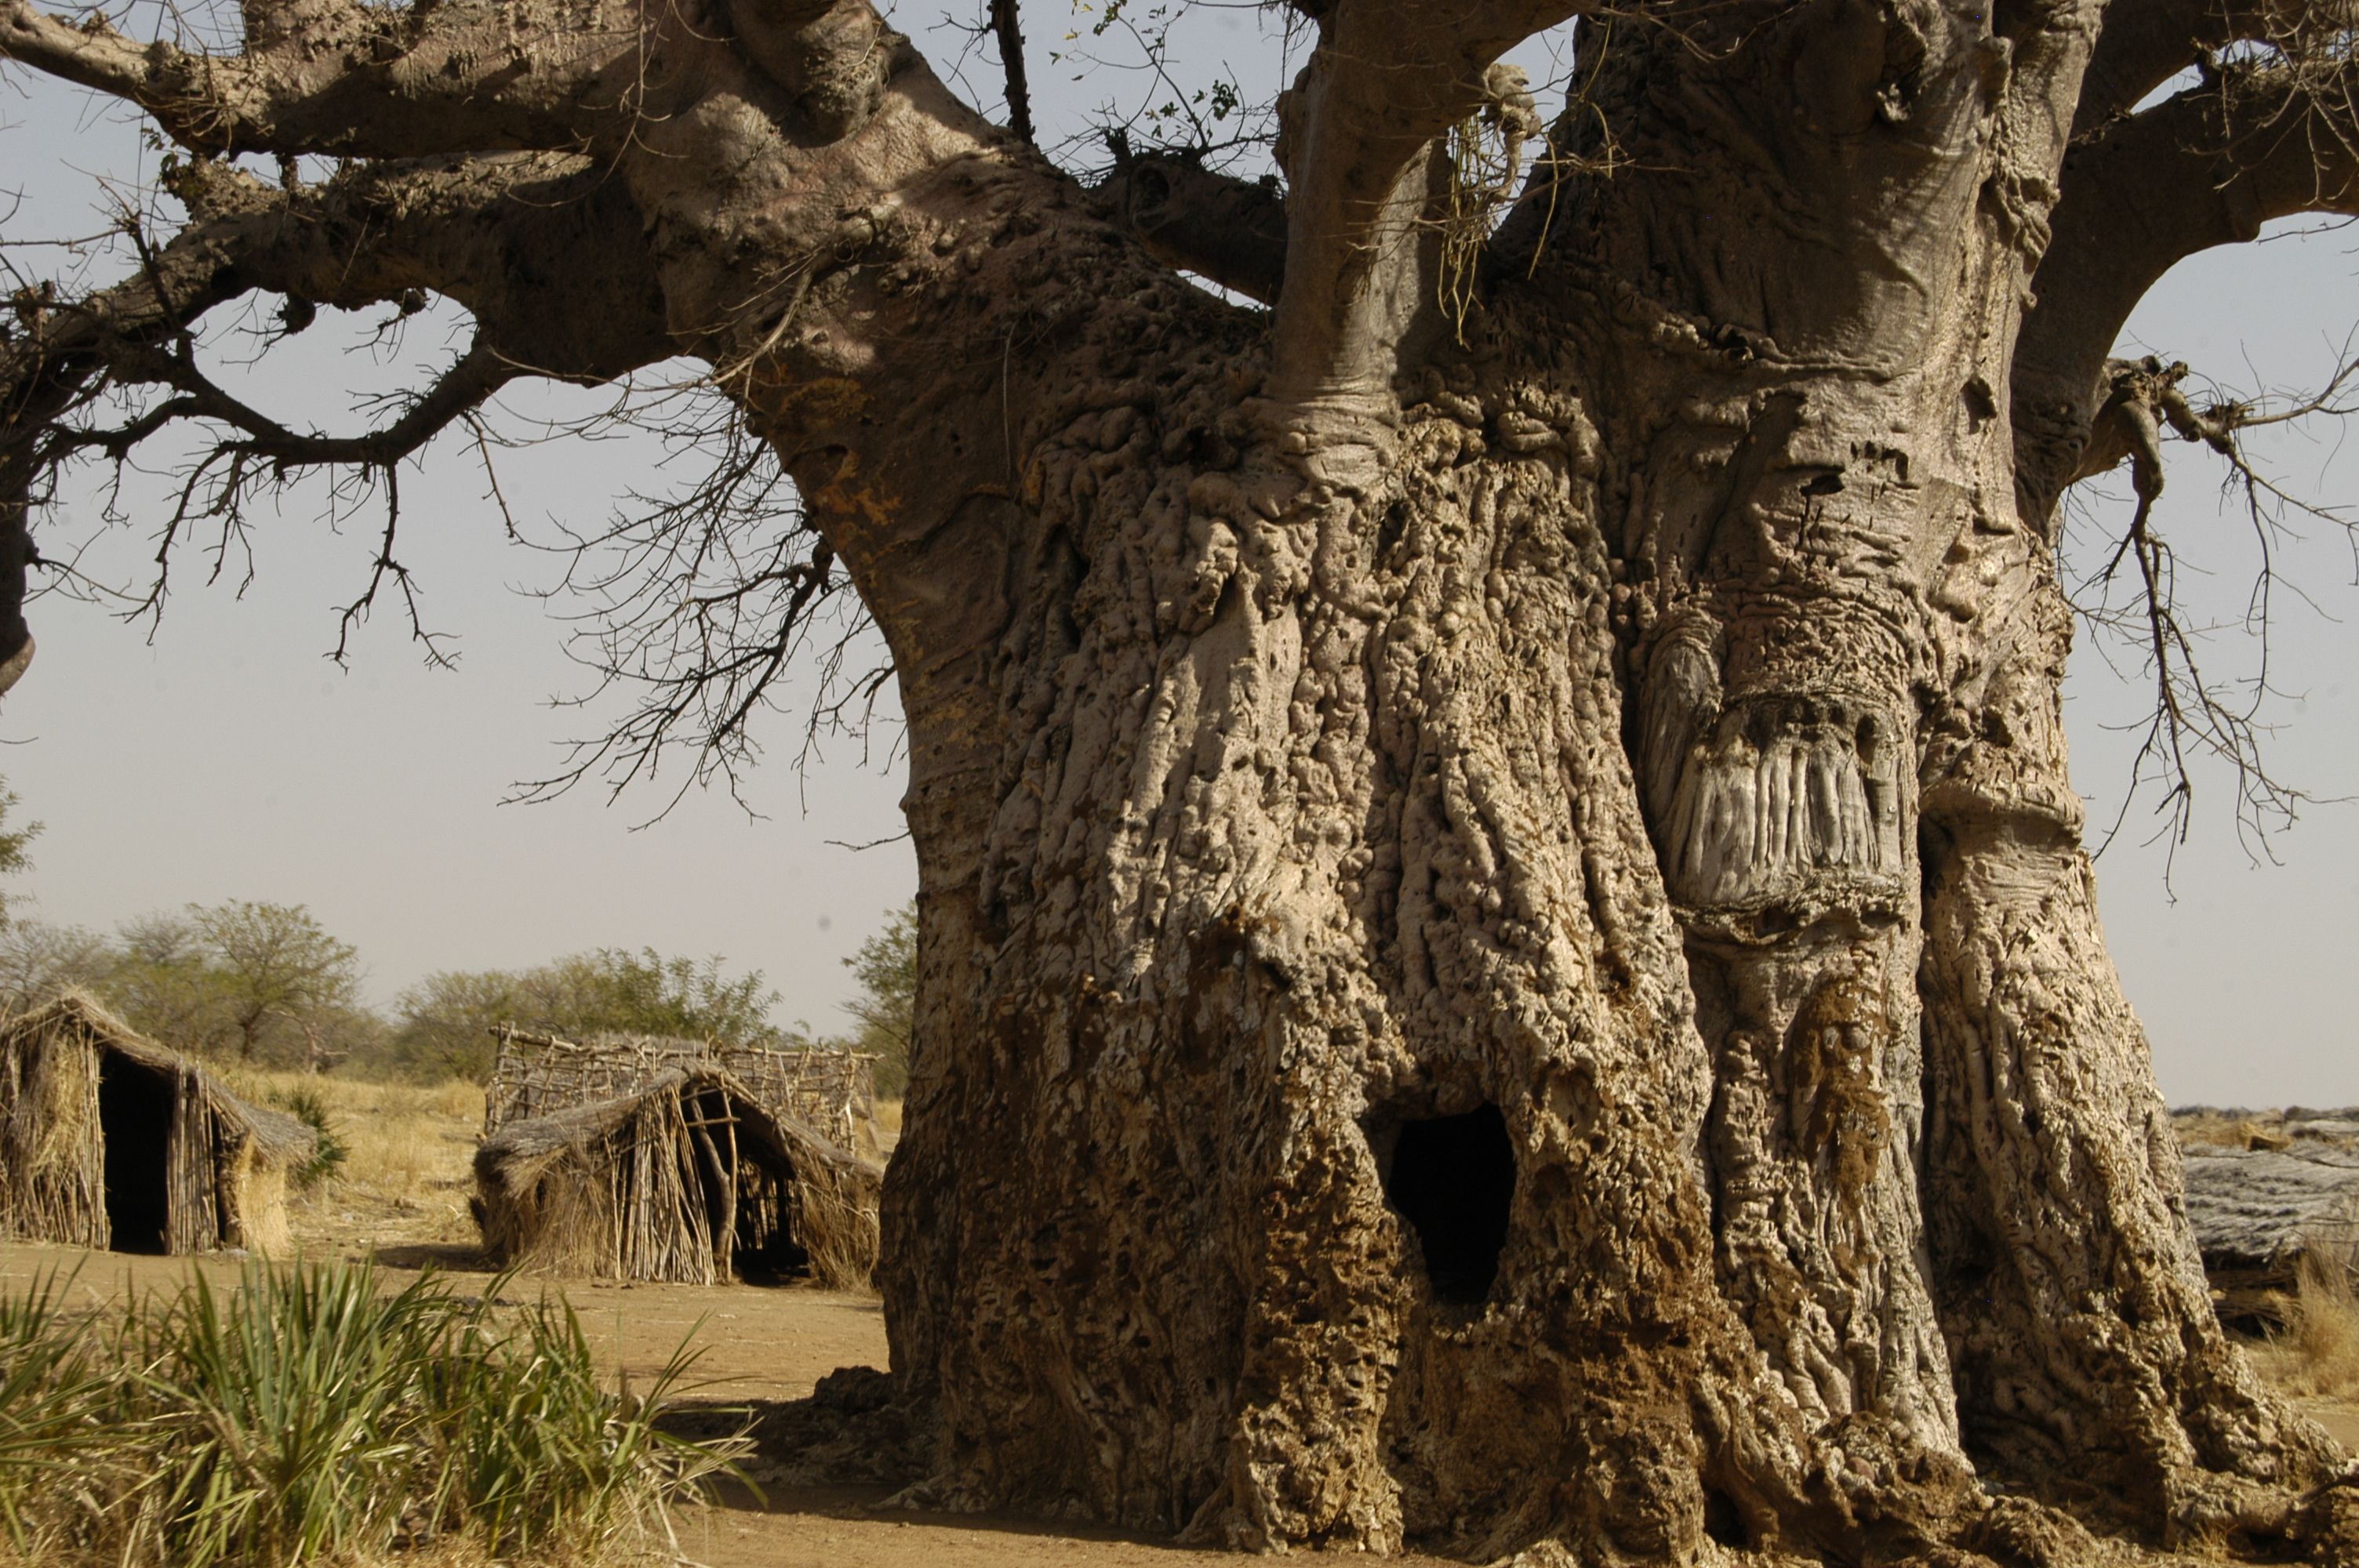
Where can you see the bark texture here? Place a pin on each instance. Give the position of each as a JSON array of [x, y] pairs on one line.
[[1505, 956]]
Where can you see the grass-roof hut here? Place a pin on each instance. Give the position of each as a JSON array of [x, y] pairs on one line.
[[109, 1140], [689, 1177], [832, 1092]]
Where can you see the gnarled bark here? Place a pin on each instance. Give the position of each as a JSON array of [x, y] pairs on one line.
[[1504, 954]]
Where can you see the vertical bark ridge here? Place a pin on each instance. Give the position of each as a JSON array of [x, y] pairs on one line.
[[2087, 1350], [1809, 432]]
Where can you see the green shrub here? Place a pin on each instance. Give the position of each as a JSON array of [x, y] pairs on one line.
[[328, 1149], [310, 1415]]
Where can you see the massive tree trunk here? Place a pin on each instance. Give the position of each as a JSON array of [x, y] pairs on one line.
[[1504, 958], [1525, 973]]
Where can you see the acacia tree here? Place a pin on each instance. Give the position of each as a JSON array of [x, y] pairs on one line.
[[886, 1008], [276, 962], [1506, 955]]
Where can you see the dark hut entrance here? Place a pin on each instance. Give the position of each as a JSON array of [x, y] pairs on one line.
[[109, 1140], [749, 1193], [135, 1116]]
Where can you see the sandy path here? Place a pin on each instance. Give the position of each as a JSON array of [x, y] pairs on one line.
[[836, 1527], [758, 1343]]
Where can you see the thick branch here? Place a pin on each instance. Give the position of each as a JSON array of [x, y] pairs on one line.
[[1357, 142], [2146, 42], [833, 57], [357, 81], [1008, 26], [1231, 231], [2206, 168], [489, 232]]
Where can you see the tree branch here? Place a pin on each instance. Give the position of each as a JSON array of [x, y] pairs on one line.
[[699, 605], [1006, 26], [2208, 167], [487, 232], [365, 81], [1231, 231], [1357, 140], [2146, 42], [2191, 714], [833, 57]]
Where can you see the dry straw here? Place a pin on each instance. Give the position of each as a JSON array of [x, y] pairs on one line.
[[833, 1092], [110, 1139], [689, 1177]]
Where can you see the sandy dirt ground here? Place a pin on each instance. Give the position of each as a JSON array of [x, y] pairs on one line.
[[757, 1343], [402, 1201], [754, 1343]]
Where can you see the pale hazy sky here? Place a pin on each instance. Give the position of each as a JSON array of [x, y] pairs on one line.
[[225, 758]]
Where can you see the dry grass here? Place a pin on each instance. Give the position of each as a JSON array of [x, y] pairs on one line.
[[406, 1172], [2230, 1130], [2318, 1354], [402, 1140]]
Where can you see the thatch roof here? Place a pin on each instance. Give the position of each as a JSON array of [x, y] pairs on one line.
[[108, 1139], [834, 1092], [686, 1178]]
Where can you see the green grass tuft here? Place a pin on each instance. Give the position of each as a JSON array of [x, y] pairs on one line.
[[310, 1415]]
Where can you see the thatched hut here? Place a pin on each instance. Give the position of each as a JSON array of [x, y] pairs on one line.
[[110, 1139], [690, 1177], [833, 1092]]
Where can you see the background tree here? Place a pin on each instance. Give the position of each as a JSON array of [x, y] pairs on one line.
[[262, 981], [40, 958], [885, 1009], [15, 843], [1504, 950], [278, 968], [166, 985], [447, 1018]]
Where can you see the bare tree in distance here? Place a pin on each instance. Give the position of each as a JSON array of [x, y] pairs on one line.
[[1505, 952]]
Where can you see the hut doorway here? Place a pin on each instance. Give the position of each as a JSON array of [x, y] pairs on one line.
[[763, 1244], [747, 1194], [134, 1118]]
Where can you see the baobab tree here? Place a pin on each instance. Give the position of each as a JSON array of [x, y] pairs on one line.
[[1505, 957]]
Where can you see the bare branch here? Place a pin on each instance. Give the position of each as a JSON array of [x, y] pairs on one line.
[[2208, 167], [699, 606], [2192, 716], [485, 231]]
